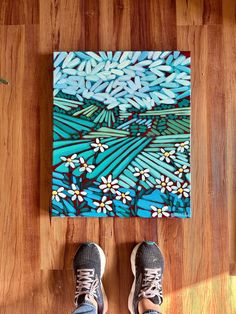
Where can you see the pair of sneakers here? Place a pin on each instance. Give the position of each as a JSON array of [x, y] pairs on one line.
[[147, 266]]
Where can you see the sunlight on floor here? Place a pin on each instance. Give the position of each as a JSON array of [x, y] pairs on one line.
[[233, 293], [201, 297]]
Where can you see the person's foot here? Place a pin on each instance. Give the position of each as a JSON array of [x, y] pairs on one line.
[[89, 265], [147, 264]]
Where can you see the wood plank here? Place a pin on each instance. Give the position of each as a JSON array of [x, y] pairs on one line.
[[20, 12], [29, 207], [216, 146], [198, 229], [12, 39], [199, 12], [122, 25], [229, 42], [30, 153], [162, 16]]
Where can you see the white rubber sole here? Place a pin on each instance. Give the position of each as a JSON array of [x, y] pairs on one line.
[[132, 261]]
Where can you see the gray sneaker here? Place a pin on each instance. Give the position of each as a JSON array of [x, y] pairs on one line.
[[89, 265], [147, 264]]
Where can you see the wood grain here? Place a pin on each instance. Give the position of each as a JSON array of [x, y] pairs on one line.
[[20, 12], [36, 251], [229, 33]]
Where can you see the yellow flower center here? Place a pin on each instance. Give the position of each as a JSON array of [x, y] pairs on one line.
[[85, 165], [159, 210], [77, 192], [69, 159], [181, 169], [99, 144], [182, 144], [167, 154], [123, 194], [142, 172], [54, 192], [102, 205], [180, 190], [163, 183], [109, 185]]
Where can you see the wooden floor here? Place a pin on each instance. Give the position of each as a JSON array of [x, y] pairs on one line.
[[36, 253]]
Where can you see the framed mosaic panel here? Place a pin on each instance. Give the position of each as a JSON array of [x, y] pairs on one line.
[[121, 134]]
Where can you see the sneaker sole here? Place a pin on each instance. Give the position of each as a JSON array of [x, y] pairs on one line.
[[132, 260], [103, 264]]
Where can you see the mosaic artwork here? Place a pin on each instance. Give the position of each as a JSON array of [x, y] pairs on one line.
[[121, 134]]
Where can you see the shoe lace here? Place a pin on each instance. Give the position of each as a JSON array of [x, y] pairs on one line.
[[151, 284], [85, 283]]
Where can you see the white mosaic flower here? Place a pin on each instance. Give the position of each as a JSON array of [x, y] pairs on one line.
[[182, 146], [57, 194], [109, 184], [76, 193], [159, 212], [181, 170], [123, 196], [164, 184], [103, 205], [98, 146], [84, 166], [167, 156], [70, 161], [142, 173], [181, 189]]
